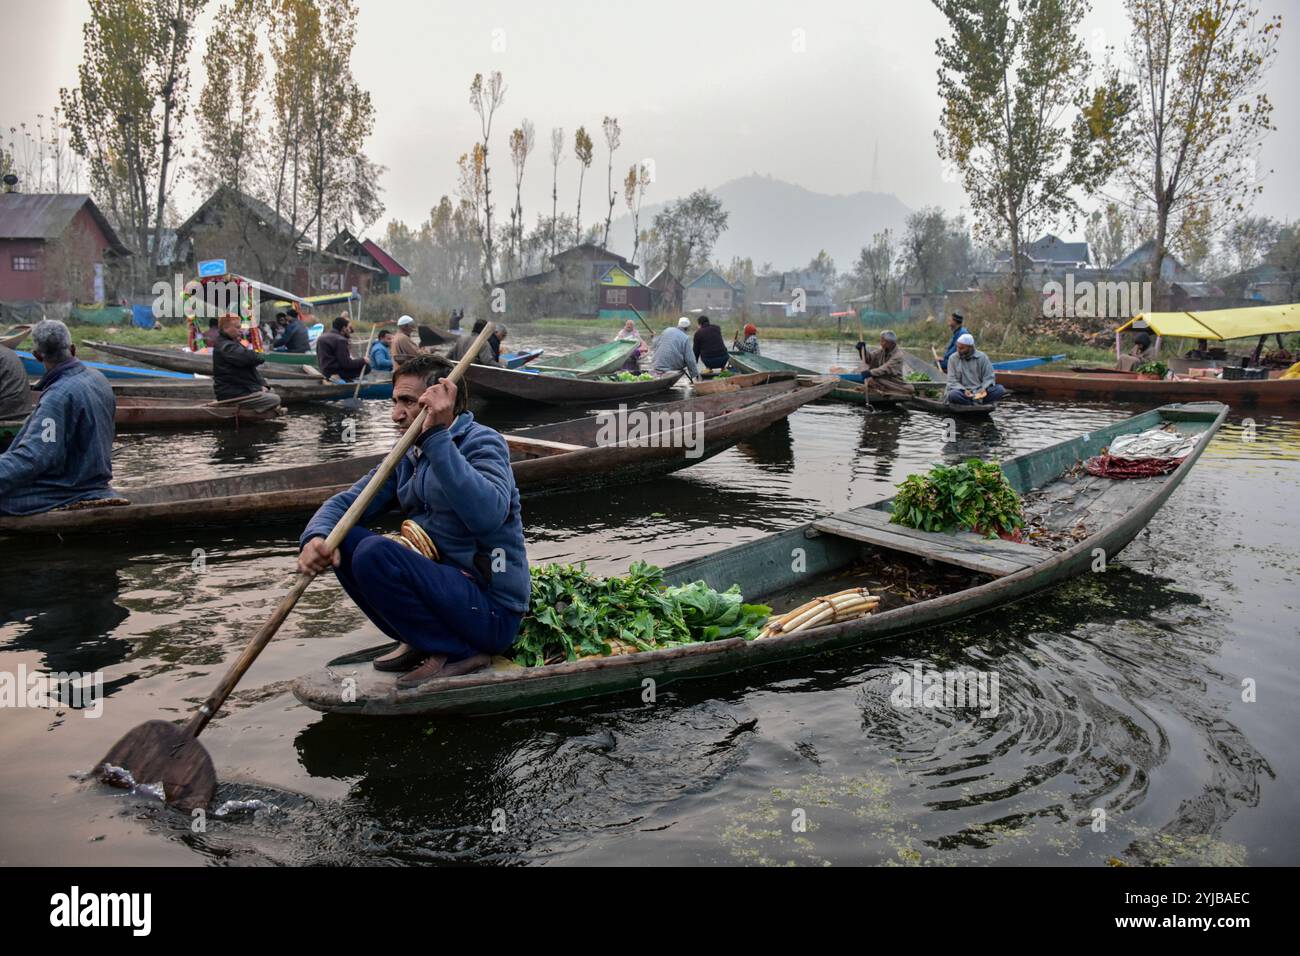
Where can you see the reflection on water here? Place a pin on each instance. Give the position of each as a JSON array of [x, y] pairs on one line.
[[1120, 695]]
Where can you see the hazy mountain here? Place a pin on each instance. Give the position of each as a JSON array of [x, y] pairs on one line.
[[784, 224]]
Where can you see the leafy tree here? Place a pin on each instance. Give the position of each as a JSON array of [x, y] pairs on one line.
[[613, 137], [582, 147], [126, 114], [486, 98], [1247, 241], [1285, 257], [925, 247], [521, 144], [634, 187], [1201, 111], [1019, 120], [557, 152], [684, 232], [1108, 233], [874, 268]]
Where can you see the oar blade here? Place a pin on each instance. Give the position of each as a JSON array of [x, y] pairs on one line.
[[157, 752]]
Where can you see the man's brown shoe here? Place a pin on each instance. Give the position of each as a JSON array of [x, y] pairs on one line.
[[403, 658], [437, 666]]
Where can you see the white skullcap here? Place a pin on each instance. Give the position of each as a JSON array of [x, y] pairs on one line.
[[406, 320], [683, 323], [966, 339]]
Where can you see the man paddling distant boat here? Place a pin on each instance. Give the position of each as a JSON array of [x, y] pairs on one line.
[[334, 353], [63, 453], [971, 380], [450, 613]]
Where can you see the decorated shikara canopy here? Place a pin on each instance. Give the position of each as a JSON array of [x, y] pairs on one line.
[[1222, 324], [329, 298]]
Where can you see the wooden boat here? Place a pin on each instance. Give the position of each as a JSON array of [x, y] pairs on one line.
[[1121, 386], [14, 335], [33, 367], [748, 362], [135, 413], [430, 337], [920, 403], [290, 392], [1015, 365], [488, 381], [952, 575], [597, 360], [547, 459], [855, 393], [730, 383], [519, 359], [200, 363]]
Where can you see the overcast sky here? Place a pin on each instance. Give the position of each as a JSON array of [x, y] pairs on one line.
[[806, 91]]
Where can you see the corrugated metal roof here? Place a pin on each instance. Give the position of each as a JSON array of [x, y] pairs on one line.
[[47, 216], [389, 264]]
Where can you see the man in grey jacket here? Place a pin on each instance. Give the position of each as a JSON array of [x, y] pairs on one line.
[[673, 352], [970, 376]]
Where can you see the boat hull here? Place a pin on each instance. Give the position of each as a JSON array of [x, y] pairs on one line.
[[487, 381], [291, 393], [1118, 386], [729, 418], [764, 567], [200, 363]]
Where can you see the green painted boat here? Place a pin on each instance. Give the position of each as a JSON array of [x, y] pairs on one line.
[[749, 362], [199, 363], [598, 360], [948, 576]]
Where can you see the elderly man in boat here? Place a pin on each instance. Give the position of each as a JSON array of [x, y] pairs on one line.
[[970, 376], [485, 355], [674, 352], [403, 346], [881, 369], [450, 612], [63, 453], [235, 377]]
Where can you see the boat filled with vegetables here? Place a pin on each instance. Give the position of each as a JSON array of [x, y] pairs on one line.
[[953, 543]]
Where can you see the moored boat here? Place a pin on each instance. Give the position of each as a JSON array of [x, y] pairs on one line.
[[713, 385], [132, 413], [943, 577], [748, 362], [200, 363], [12, 336], [519, 359], [1124, 386], [597, 360], [291, 392], [920, 403], [489, 381], [547, 459], [34, 367]]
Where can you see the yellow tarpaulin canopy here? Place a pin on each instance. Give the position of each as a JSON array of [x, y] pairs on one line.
[[1222, 324]]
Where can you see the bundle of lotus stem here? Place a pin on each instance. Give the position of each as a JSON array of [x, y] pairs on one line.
[[831, 609]]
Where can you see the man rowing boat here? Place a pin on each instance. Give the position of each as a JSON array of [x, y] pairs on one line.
[[63, 453], [881, 369], [450, 613]]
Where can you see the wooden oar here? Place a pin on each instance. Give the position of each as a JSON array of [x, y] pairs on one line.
[[159, 752], [353, 404]]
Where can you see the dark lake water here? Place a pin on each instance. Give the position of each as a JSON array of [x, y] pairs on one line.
[[1122, 692]]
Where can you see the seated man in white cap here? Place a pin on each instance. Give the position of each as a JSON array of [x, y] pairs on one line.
[[970, 376], [402, 347], [674, 353]]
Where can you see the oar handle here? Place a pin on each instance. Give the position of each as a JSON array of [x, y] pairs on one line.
[[357, 391], [332, 541]]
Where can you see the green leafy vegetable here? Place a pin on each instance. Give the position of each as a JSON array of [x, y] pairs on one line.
[[631, 377], [1159, 369], [577, 614], [971, 496]]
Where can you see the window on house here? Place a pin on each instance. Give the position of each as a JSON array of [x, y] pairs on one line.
[[24, 264], [617, 296]]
